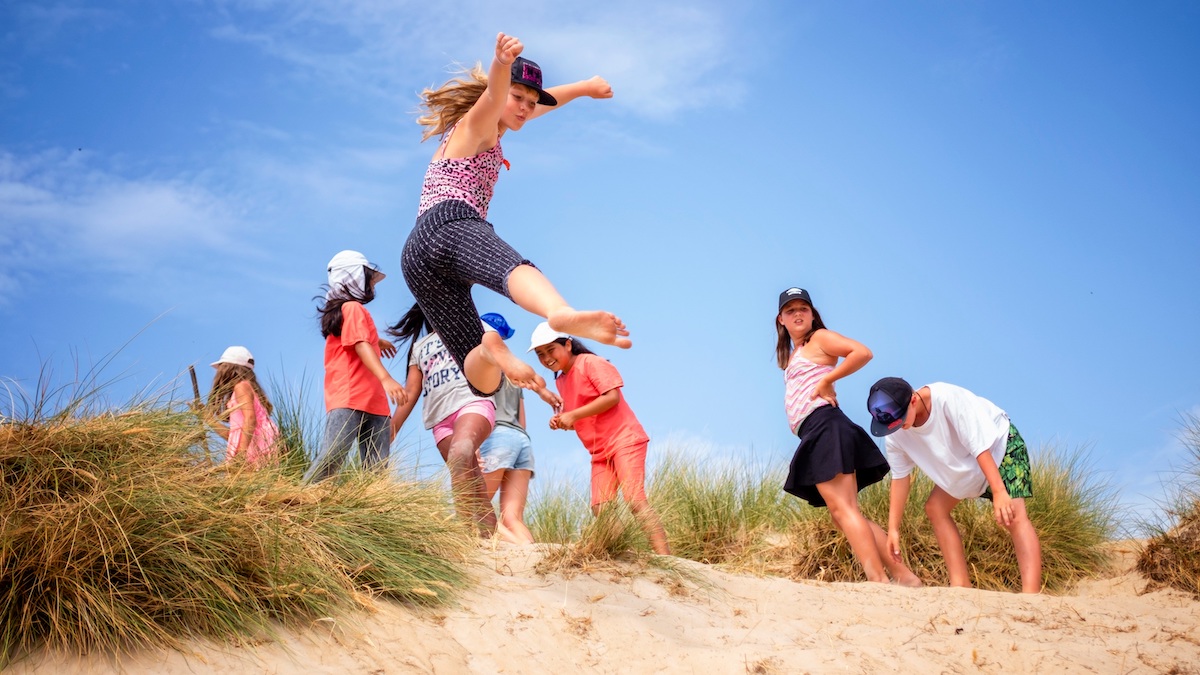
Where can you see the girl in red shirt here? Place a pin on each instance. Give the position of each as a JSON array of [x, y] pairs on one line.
[[357, 386], [593, 407]]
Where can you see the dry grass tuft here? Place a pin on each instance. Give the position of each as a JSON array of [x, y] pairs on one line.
[[116, 533], [1171, 556], [740, 518]]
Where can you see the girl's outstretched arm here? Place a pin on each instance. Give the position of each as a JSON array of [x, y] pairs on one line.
[[853, 354], [596, 87], [481, 120]]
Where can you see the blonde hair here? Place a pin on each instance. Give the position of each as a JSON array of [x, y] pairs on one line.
[[446, 105], [228, 375]]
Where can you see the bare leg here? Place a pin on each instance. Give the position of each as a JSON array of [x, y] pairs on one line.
[[841, 498], [514, 491], [531, 290], [1028, 547], [461, 452], [938, 508], [486, 362], [652, 526], [901, 574]]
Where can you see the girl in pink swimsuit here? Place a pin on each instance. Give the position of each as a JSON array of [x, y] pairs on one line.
[[452, 247]]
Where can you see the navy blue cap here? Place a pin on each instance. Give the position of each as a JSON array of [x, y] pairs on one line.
[[888, 405]]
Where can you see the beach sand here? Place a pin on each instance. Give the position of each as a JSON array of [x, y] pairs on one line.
[[623, 621]]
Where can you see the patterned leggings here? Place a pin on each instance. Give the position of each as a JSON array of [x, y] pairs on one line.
[[450, 249]]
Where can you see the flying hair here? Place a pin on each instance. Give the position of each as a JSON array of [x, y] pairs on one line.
[[445, 106]]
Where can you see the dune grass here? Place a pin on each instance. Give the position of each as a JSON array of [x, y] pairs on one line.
[[739, 517], [116, 533], [1171, 556]]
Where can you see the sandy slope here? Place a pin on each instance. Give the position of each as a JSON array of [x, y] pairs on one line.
[[518, 622]]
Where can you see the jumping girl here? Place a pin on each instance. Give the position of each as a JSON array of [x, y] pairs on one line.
[[836, 458], [453, 247], [239, 410], [593, 407]]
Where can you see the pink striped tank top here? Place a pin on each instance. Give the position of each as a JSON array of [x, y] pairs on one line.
[[467, 179], [801, 378]]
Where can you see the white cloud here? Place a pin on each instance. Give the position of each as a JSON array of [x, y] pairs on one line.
[[59, 210], [660, 59]]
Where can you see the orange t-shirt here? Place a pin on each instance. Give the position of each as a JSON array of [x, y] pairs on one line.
[[348, 383], [589, 377]]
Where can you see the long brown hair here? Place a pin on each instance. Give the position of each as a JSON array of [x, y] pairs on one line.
[[447, 104], [783, 342], [228, 375]]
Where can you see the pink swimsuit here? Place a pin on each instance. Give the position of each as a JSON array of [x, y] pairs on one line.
[[466, 179]]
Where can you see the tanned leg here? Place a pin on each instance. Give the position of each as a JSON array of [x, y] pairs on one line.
[[461, 452], [532, 291], [1028, 548], [841, 498], [938, 508]]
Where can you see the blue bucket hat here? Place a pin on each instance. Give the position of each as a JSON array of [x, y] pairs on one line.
[[496, 321]]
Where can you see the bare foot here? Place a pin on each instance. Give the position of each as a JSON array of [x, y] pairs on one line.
[[517, 371], [909, 581], [603, 327]]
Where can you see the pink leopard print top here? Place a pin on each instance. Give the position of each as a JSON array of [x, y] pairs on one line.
[[467, 179]]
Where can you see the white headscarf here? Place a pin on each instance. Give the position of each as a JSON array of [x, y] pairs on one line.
[[348, 275]]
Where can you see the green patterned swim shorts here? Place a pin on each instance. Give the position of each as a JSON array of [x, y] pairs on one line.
[[1014, 468]]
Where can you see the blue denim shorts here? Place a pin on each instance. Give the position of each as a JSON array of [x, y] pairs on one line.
[[506, 448]]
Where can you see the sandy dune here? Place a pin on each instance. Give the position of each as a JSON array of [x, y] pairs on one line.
[[516, 621]]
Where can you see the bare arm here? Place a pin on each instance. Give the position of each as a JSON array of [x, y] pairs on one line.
[[244, 392], [596, 87], [521, 412], [601, 403], [853, 354], [370, 359], [412, 390], [1001, 502], [898, 498], [480, 121]]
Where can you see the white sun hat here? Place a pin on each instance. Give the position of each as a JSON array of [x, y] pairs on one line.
[[543, 335], [238, 356]]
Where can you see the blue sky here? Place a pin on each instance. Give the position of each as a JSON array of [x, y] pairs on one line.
[[1005, 196]]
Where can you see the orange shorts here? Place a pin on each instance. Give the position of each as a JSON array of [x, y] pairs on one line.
[[624, 469]]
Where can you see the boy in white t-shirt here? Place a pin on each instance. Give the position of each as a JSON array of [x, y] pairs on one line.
[[968, 448]]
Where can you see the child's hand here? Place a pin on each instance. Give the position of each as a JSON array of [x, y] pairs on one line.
[[893, 545], [563, 421], [387, 348], [1002, 505], [395, 392], [550, 398], [508, 48], [825, 390], [598, 87]]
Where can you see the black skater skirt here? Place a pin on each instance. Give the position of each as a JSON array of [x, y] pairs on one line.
[[831, 444]]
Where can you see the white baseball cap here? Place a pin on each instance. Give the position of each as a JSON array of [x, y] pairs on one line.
[[346, 271], [238, 356], [544, 335]]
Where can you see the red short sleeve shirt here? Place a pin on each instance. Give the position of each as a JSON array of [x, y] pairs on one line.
[[589, 377], [348, 383]]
